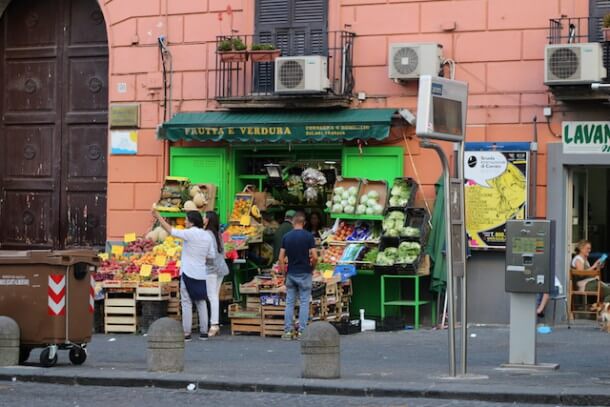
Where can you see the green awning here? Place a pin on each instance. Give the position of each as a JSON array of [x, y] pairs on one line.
[[283, 126]]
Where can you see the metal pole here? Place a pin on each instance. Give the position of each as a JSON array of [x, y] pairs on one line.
[[448, 255], [463, 303]]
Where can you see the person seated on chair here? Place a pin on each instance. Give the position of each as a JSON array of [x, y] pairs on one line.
[[581, 259]]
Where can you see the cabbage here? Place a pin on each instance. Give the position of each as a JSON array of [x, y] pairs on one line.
[[352, 191], [364, 199], [371, 203], [337, 198], [352, 200], [344, 203], [394, 201], [329, 204], [396, 191], [360, 209], [378, 209], [373, 194], [349, 209], [370, 211], [339, 190], [393, 232], [337, 208], [345, 195]]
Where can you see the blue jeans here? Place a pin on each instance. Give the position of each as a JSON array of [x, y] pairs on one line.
[[300, 283]]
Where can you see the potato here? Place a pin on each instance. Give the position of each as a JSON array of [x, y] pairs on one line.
[[199, 200], [194, 191], [190, 206]]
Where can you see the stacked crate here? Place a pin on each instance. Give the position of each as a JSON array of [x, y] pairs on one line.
[[120, 312]]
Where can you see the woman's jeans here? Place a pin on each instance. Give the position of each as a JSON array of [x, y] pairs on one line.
[[297, 284]]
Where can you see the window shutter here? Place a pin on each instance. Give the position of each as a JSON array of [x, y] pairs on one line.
[[597, 10]]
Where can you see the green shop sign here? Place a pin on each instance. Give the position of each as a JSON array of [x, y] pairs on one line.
[[586, 137], [284, 126]]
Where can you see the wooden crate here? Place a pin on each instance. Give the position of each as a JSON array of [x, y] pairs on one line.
[[273, 320], [237, 311], [155, 291], [226, 291], [174, 308], [246, 326], [253, 302], [346, 288], [120, 312]]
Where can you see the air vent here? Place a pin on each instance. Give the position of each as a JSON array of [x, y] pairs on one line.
[[291, 75], [410, 60], [306, 74], [573, 64]]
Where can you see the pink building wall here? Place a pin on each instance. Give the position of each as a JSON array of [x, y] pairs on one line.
[[497, 46]]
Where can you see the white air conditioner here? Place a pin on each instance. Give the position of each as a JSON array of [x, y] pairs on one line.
[[306, 74], [573, 64], [409, 61]]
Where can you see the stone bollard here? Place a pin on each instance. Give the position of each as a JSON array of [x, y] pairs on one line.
[[321, 353], [9, 342], [165, 346]]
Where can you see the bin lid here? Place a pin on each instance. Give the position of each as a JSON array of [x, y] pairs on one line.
[[53, 257]]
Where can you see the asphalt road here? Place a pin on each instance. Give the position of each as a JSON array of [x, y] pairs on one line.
[[43, 395]]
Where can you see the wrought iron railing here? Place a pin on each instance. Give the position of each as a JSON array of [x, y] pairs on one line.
[[250, 80], [568, 30]]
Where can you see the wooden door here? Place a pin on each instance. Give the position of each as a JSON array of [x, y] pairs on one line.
[[53, 132]]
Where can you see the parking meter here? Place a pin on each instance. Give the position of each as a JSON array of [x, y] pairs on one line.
[[530, 254]]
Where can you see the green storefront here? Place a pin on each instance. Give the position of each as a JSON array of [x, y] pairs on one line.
[[215, 147]]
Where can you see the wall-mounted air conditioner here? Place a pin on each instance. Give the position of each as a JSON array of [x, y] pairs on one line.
[[573, 64], [305, 74], [409, 61]]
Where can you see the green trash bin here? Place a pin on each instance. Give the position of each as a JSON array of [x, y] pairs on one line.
[[50, 296]]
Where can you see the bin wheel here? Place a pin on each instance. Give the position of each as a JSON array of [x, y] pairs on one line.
[[45, 361], [24, 354], [78, 355]]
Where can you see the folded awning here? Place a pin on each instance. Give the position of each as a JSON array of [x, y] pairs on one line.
[[284, 126]]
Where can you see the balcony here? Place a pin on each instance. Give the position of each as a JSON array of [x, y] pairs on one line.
[[567, 30], [244, 82]]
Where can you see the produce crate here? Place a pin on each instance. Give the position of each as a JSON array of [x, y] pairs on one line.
[[317, 309], [237, 311], [119, 285], [418, 218], [371, 185], [242, 205], [346, 288], [385, 242], [246, 326], [273, 321], [347, 183], [226, 291], [248, 288], [253, 302], [155, 291], [120, 312], [173, 193], [173, 308], [413, 186]]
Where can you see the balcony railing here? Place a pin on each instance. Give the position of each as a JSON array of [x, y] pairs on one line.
[[251, 84], [568, 30]]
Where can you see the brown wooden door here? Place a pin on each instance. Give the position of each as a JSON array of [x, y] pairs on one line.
[[53, 132]]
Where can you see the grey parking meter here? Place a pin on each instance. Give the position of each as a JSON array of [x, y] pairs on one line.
[[530, 256], [529, 273]]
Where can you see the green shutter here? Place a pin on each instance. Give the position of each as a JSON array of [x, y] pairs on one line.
[[203, 165], [374, 163]]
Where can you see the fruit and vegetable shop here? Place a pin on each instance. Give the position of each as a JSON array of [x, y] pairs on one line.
[[344, 169]]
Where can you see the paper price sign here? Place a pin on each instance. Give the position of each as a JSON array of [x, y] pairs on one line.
[[129, 237], [145, 270], [328, 274], [165, 278], [103, 256], [160, 261], [117, 250]]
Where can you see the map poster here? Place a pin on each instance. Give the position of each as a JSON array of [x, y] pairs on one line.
[[496, 189]]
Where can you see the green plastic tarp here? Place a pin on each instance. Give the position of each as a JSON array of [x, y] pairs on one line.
[[279, 126], [436, 241]]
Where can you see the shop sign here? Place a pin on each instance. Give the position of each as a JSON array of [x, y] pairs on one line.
[[495, 191], [304, 132], [586, 137]]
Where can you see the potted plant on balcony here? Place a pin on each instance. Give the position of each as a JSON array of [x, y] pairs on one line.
[[232, 50], [264, 53], [606, 27]]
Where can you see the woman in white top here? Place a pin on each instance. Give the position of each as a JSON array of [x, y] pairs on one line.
[[196, 248], [581, 260], [217, 269]]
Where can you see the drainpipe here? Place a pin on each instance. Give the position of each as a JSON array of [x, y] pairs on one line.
[[533, 178]]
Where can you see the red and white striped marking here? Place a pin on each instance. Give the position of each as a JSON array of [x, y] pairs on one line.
[[57, 294], [92, 295]]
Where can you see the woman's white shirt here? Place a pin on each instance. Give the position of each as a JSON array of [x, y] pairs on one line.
[[582, 260], [198, 245]]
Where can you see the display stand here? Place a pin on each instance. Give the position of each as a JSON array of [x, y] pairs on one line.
[[416, 302]]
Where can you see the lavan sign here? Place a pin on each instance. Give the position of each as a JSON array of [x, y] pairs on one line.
[[586, 137]]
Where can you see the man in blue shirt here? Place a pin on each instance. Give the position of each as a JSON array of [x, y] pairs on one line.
[[300, 248]]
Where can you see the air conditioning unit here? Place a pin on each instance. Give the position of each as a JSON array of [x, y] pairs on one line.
[[306, 74], [573, 64], [409, 61]]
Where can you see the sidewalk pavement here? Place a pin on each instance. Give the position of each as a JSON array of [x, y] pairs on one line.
[[392, 364]]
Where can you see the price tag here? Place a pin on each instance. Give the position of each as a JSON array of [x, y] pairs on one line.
[[117, 250], [103, 256], [165, 278], [328, 274], [160, 261], [145, 270], [129, 237], [245, 220], [171, 251]]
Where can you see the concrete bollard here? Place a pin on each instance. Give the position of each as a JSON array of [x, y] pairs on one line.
[[9, 342], [321, 353], [165, 346]]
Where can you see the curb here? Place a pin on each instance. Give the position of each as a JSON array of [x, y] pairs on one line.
[[574, 399]]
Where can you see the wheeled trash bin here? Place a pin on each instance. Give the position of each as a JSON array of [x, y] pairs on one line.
[[50, 296]]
